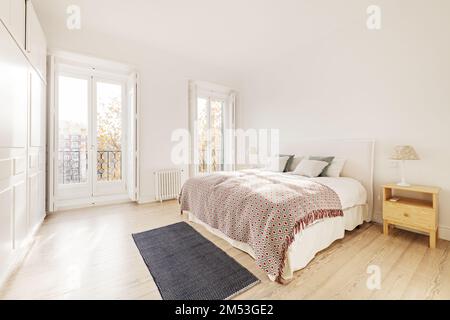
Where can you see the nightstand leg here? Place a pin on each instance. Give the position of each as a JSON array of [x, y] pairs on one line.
[[385, 227], [433, 236]]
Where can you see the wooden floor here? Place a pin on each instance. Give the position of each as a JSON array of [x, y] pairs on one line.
[[89, 254]]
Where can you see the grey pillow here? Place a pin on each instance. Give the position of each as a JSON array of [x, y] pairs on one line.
[[295, 162], [326, 159], [288, 163]]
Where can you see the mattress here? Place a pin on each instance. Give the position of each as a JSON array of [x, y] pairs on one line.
[[350, 191]]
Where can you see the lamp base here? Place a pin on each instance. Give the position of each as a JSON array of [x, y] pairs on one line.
[[403, 182]]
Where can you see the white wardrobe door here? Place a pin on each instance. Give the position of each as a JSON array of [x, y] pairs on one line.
[[37, 111], [13, 142], [36, 151], [5, 11], [36, 187], [20, 213], [36, 42], [12, 202], [6, 243], [17, 22], [13, 93]]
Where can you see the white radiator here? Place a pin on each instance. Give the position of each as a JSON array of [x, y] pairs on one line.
[[167, 184]]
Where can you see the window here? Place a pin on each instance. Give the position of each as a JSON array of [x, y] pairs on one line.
[[73, 126], [109, 131], [210, 134], [93, 133], [212, 128], [75, 112]]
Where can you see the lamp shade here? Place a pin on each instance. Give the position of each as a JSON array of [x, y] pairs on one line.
[[404, 153]]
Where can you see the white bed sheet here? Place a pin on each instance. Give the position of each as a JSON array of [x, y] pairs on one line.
[[318, 236], [350, 191]]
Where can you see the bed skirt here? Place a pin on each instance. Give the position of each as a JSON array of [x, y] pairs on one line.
[[309, 241]]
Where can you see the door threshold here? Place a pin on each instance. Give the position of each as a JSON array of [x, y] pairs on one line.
[[63, 205]]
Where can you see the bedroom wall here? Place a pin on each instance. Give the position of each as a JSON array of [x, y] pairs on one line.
[[392, 85], [164, 90]]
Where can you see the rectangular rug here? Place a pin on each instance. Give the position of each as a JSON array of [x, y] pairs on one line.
[[186, 266]]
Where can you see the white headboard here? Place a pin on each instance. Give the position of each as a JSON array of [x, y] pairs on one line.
[[359, 155]]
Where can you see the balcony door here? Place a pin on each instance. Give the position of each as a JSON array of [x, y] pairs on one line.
[[210, 134], [212, 109], [91, 136], [109, 121]]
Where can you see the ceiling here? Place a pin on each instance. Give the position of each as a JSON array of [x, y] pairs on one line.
[[230, 33]]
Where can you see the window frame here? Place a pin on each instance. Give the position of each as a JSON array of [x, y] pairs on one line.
[[226, 95]]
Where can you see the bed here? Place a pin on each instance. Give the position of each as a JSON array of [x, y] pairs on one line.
[[246, 208]]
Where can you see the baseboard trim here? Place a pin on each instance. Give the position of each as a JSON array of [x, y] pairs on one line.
[[444, 233], [377, 217], [147, 199], [151, 199], [64, 205]]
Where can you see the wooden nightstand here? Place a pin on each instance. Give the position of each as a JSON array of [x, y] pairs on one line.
[[417, 209]]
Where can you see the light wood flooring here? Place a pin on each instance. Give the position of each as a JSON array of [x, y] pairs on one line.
[[89, 254]]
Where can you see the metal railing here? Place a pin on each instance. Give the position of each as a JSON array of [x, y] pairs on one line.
[[109, 165], [71, 166]]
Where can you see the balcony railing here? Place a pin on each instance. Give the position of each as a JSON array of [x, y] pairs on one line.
[[109, 165], [73, 166], [71, 169]]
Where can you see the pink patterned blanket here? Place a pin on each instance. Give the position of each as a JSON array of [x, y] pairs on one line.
[[259, 208]]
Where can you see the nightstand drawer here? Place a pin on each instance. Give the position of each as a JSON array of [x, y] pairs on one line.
[[409, 215]]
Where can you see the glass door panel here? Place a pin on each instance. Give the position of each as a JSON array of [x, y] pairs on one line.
[[73, 128], [202, 134], [210, 135], [109, 132], [73, 168], [216, 135], [109, 114]]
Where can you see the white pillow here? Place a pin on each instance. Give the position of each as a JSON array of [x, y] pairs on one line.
[[277, 164], [310, 168], [335, 168]]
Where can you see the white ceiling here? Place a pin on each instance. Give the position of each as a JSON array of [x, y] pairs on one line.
[[230, 33]]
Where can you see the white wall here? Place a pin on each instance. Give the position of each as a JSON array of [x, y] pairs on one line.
[[164, 108], [392, 85], [164, 91]]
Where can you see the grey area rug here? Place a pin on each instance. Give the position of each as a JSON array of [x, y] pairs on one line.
[[186, 266]]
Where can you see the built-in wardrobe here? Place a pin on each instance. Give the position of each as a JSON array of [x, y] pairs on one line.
[[23, 54]]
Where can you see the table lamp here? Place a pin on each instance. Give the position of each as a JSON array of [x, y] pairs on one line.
[[403, 153]]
